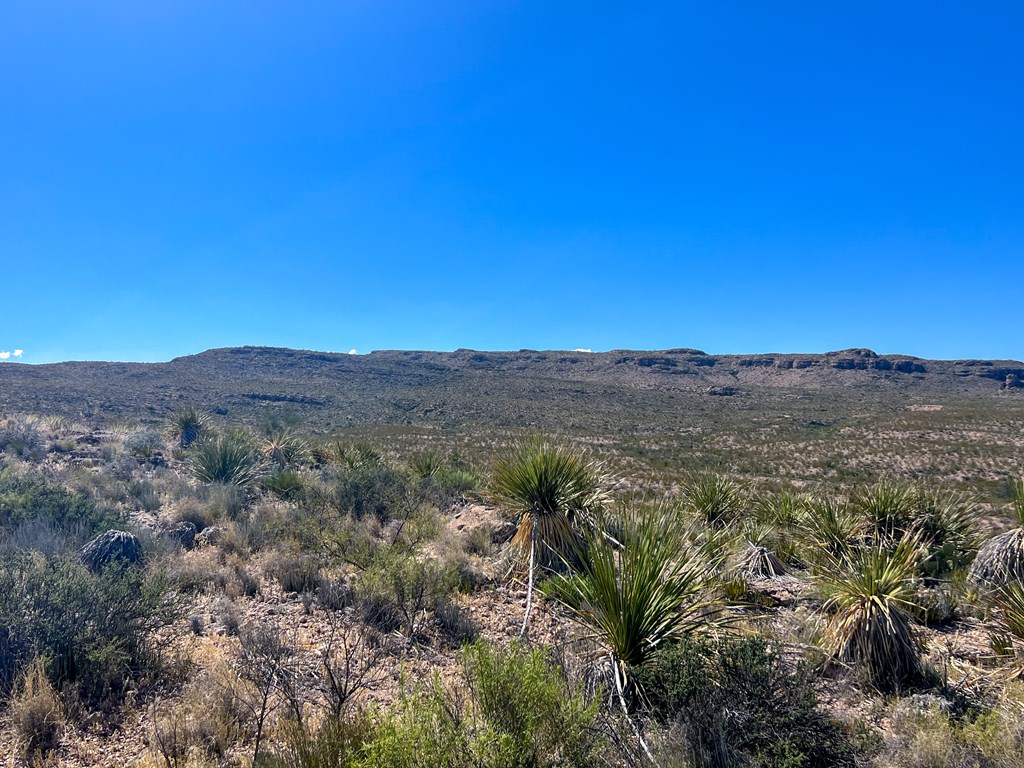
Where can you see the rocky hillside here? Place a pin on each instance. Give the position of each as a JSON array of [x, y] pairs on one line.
[[521, 388]]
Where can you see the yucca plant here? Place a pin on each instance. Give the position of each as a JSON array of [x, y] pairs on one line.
[[781, 509], [640, 592], [188, 425], [427, 464], [869, 593], [285, 449], [827, 529], [1000, 560], [232, 458], [715, 499], [550, 488], [355, 455], [1008, 601], [886, 510], [948, 528]]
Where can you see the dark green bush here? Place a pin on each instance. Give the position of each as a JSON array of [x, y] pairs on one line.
[[371, 490], [94, 630], [31, 497], [737, 702]]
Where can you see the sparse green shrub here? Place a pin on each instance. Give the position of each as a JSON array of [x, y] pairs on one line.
[[928, 735], [144, 444], [371, 490], [520, 713], [93, 629], [30, 497], [736, 702], [400, 591], [300, 574], [455, 623], [145, 495], [22, 438]]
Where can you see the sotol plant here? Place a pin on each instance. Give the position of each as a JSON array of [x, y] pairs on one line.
[[550, 487], [232, 458], [869, 591], [1000, 560], [188, 425], [640, 592]]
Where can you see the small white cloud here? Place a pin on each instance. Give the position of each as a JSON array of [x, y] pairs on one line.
[[19, 352], [583, 350], [353, 351], [4, 355]]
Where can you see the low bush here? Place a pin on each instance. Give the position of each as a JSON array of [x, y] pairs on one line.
[[372, 490], [93, 629], [144, 444], [736, 702], [31, 497], [22, 438], [401, 591], [518, 710]]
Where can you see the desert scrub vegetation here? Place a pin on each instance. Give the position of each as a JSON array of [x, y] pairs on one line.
[[301, 600], [737, 701]]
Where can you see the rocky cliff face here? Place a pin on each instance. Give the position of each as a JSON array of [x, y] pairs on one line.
[[420, 386]]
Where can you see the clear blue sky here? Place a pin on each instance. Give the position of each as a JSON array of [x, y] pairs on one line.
[[734, 176]]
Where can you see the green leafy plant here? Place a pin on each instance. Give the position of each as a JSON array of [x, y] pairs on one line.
[[736, 701], [869, 592], [715, 499], [232, 458], [550, 487], [188, 425]]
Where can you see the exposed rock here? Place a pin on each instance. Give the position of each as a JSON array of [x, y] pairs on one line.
[[720, 391], [111, 546], [183, 533], [1013, 381], [209, 535]]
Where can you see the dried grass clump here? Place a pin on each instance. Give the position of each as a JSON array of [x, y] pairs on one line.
[[37, 711]]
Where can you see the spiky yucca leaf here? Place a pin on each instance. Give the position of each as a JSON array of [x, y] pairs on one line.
[[643, 593], [232, 458], [782, 509], [1010, 602], [549, 487], [716, 499], [827, 529], [188, 425], [887, 510], [947, 523], [1018, 501], [869, 591], [285, 449], [355, 455]]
